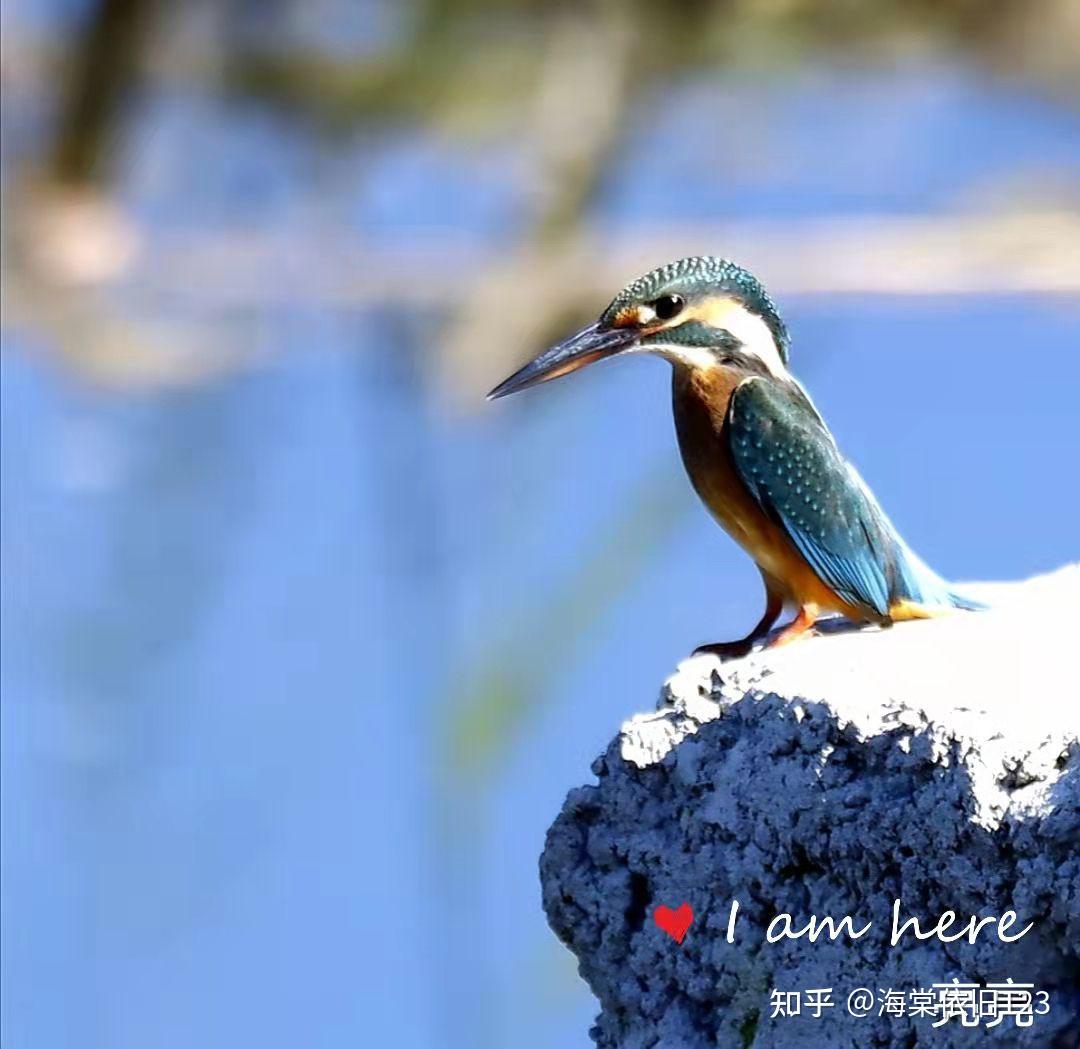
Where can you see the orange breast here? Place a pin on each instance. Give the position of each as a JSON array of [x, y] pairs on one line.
[[700, 399]]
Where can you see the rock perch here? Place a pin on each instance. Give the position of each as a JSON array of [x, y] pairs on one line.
[[936, 763]]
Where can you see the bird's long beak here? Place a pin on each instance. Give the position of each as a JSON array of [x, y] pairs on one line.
[[592, 343]]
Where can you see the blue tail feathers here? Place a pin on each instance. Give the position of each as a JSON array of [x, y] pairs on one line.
[[968, 604], [920, 583]]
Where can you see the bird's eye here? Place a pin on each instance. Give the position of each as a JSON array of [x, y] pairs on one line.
[[667, 306]]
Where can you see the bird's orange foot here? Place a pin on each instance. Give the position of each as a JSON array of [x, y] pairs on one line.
[[801, 626]]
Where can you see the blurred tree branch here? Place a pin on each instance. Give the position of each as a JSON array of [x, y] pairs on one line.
[[100, 80], [562, 80]]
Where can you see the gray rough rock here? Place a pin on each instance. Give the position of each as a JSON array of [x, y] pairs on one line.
[[936, 762]]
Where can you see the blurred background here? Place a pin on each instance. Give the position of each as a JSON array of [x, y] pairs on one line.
[[304, 643]]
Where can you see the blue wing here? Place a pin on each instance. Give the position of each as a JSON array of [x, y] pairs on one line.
[[789, 462]]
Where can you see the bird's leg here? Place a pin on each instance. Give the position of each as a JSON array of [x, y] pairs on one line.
[[774, 605], [800, 626]]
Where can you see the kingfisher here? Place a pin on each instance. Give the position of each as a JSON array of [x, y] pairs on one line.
[[758, 452]]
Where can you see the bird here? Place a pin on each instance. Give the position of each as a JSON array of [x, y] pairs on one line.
[[758, 452]]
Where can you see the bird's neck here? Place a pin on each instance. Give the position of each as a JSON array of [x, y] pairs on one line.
[[705, 392]]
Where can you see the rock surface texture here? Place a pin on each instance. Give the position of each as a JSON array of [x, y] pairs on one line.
[[936, 762]]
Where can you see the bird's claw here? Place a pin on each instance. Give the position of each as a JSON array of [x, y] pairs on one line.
[[726, 649]]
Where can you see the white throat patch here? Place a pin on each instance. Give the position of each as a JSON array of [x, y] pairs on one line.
[[691, 356]]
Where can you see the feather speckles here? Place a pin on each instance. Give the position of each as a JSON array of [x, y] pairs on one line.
[[694, 268], [792, 468], [702, 274]]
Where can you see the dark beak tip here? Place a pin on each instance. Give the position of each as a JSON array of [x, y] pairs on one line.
[[590, 344], [520, 380]]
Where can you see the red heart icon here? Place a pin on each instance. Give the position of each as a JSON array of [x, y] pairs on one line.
[[674, 923]]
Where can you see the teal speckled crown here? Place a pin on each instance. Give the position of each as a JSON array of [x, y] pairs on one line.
[[704, 273]]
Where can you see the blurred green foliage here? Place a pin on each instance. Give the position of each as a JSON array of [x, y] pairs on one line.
[[491, 703]]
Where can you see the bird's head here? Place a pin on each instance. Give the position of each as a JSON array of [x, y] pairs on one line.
[[699, 312]]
